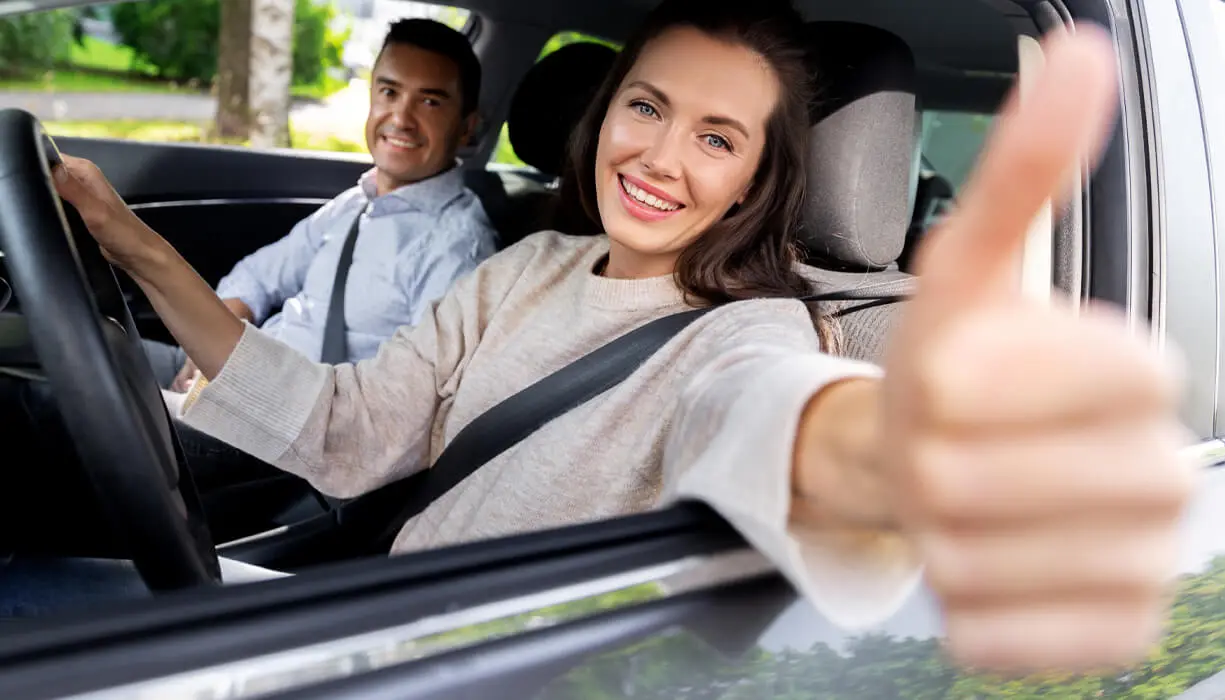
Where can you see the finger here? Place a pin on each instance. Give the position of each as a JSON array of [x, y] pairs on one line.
[[71, 182], [1070, 636], [1036, 142], [982, 568], [1111, 472], [1032, 368]]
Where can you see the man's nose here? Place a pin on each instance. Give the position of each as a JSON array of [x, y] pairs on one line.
[[404, 117]]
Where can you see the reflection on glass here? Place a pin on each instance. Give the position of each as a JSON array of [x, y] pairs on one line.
[[679, 666]]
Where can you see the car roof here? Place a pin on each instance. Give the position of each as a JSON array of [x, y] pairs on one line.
[[965, 50]]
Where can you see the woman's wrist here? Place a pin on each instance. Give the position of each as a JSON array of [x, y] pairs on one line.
[[837, 478], [154, 260]]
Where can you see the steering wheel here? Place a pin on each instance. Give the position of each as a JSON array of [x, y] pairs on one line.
[[84, 337]]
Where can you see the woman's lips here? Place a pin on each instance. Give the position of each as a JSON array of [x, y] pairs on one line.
[[648, 210]]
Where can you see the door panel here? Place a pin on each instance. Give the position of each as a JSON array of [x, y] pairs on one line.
[[215, 204]]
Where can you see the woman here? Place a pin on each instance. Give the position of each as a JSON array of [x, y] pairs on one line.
[[691, 160]]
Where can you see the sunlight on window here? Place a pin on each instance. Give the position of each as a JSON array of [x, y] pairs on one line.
[[1218, 7]]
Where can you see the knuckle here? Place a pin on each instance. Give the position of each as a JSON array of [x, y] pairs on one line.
[[1170, 481], [950, 570], [937, 485]]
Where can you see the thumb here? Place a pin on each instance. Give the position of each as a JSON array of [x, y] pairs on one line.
[[72, 185], [67, 184], [1063, 120]]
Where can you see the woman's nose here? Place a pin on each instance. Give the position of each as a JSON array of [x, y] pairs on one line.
[[662, 159]]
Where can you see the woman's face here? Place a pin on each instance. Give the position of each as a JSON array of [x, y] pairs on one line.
[[679, 146]]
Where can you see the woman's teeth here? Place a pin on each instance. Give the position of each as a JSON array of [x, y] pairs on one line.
[[648, 199]]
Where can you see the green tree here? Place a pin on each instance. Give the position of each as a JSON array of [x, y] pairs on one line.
[[179, 40], [35, 42], [679, 666]]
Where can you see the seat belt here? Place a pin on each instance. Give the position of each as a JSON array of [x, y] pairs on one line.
[[509, 422], [335, 341]]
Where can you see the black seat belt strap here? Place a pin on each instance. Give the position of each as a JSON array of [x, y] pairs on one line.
[[335, 341]]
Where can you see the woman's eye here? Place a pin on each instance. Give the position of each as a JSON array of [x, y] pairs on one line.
[[643, 108], [716, 141]]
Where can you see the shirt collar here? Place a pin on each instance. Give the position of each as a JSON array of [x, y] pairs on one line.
[[428, 195]]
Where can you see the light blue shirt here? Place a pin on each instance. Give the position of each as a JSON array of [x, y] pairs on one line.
[[412, 245]]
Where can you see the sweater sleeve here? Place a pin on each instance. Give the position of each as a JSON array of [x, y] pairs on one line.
[[351, 428], [731, 447]]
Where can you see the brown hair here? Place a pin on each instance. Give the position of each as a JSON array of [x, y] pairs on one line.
[[753, 250]]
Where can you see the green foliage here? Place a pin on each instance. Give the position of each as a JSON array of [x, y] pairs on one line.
[[35, 42], [317, 45], [454, 17], [679, 666], [179, 39], [561, 39], [188, 132]]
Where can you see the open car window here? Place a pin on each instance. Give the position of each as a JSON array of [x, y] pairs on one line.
[[148, 71]]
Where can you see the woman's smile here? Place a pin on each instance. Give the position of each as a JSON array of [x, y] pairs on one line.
[[645, 202]]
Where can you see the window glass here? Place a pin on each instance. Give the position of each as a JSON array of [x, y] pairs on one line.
[[951, 143], [504, 154], [1218, 10], [148, 70]]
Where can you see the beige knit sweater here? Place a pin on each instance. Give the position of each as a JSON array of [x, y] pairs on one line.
[[712, 416]]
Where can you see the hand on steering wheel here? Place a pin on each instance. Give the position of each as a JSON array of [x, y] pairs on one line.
[[89, 349]]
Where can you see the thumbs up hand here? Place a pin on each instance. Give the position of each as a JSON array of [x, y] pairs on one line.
[[1029, 455]]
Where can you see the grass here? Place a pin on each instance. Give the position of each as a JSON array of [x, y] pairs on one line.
[[324, 88], [99, 66], [187, 132], [69, 80], [94, 53]]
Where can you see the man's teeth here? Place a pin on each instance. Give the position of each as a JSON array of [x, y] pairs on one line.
[[400, 143], [648, 199]]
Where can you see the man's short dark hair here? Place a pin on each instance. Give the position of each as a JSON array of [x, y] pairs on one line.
[[439, 38]]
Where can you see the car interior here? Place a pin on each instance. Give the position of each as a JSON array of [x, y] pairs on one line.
[[879, 65]]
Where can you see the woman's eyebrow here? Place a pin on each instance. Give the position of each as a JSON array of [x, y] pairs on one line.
[[712, 119]]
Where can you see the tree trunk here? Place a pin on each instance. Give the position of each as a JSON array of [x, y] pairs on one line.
[[271, 71], [233, 120]]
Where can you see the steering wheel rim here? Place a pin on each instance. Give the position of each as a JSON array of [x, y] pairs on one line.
[[84, 337]]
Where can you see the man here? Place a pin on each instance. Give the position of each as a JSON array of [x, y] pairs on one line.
[[369, 261], [375, 257]]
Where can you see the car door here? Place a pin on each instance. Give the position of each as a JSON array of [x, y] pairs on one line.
[[215, 204], [672, 604]]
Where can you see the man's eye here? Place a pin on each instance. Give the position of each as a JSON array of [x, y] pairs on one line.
[[387, 92], [432, 102]]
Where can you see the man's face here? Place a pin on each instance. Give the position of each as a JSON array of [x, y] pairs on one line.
[[416, 123]]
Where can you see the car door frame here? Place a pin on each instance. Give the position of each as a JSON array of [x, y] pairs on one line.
[[351, 608], [1186, 300]]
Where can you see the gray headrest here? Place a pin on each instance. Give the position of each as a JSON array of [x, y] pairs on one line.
[[862, 164]]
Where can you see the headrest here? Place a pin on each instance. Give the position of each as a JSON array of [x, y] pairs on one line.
[[551, 100], [862, 151]]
